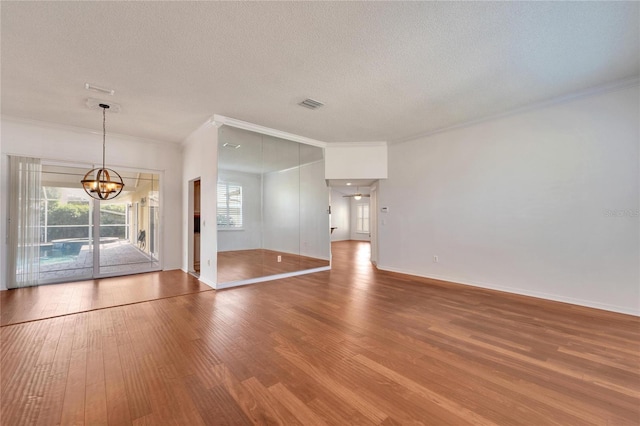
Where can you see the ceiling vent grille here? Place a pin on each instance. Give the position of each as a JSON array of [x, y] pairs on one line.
[[311, 104]]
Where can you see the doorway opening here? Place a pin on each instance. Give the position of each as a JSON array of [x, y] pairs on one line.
[[194, 227], [354, 205]]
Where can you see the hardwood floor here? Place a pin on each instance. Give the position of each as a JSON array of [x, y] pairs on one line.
[[245, 264], [349, 346], [47, 301]]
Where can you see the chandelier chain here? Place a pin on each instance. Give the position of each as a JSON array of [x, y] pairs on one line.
[[104, 133]]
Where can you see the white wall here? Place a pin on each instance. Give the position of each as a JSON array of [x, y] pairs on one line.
[[340, 216], [358, 160], [4, 195], [354, 211], [200, 160], [524, 203], [250, 237], [80, 146]]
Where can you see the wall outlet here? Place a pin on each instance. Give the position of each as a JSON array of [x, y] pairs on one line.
[[208, 262], [435, 259], [279, 258]]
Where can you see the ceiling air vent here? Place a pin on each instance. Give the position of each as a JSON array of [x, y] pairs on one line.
[[311, 104]]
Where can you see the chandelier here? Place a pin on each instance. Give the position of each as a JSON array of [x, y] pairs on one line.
[[98, 183]]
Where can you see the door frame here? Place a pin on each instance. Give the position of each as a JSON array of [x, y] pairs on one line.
[[190, 224], [373, 222]]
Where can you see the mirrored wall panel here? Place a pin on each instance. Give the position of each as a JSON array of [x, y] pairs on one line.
[[272, 206]]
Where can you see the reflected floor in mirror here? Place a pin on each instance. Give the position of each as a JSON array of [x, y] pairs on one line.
[[240, 265]]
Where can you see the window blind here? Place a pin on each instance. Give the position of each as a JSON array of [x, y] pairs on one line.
[[229, 205], [362, 218]]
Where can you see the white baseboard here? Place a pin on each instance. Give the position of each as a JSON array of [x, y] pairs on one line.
[[513, 290], [202, 280], [316, 257], [271, 277], [207, 282]]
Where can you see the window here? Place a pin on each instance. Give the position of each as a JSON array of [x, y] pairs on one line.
[[72, 236], [362, 218], [229, 205]]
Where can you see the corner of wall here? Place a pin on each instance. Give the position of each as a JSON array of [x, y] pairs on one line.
[[543, 203], [200, 160], [208, 282]]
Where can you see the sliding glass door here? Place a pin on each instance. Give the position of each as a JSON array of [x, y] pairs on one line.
[[129, 228], [66, 230], [82, 238]]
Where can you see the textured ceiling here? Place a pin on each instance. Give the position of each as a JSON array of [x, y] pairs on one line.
[[386, 71]]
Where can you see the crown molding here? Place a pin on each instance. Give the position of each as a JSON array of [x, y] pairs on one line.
[[208, 123], [81, 130], [220, 120], [356, 144], [587, 93]]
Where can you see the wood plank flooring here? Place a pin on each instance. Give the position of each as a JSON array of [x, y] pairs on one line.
[[47, 301], [245, 264], [349, 346]]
